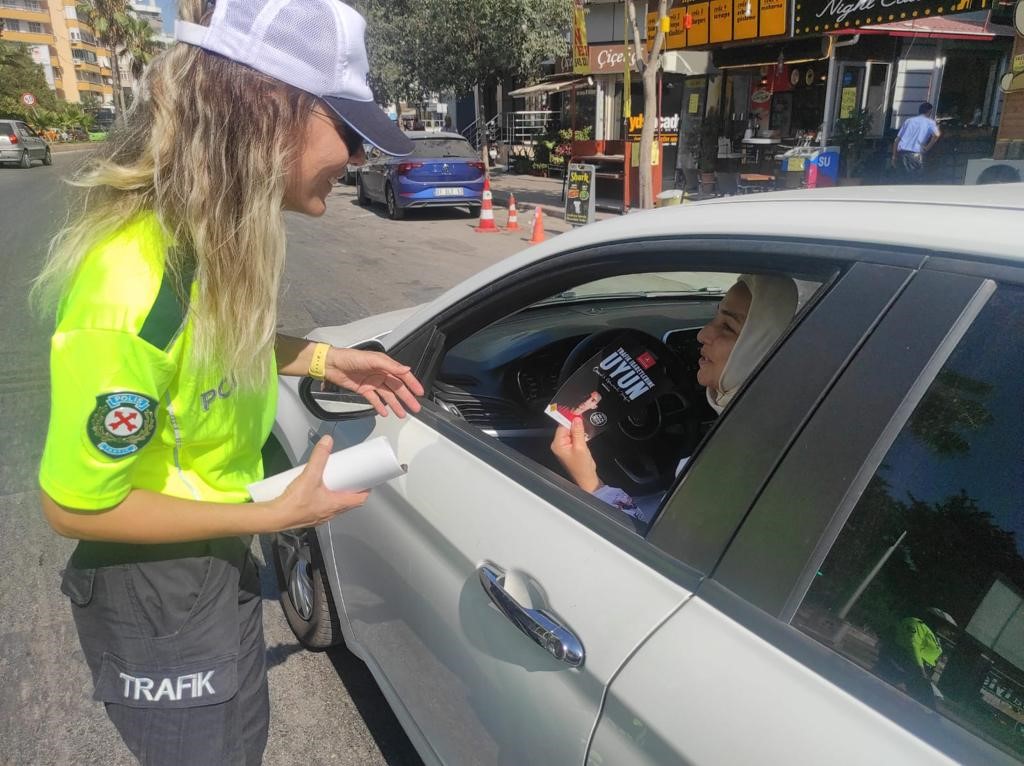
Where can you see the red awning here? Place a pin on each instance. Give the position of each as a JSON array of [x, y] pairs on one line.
[[968, 26]]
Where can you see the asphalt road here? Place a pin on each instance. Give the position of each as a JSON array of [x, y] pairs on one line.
[[326, 708]]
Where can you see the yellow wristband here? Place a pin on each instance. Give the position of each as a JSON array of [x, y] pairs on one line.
[[318, 364]]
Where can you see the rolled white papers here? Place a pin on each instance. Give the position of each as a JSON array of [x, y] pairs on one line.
[[363, 466]]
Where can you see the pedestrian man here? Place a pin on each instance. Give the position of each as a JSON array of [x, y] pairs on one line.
[[165, 359], [916, 138]]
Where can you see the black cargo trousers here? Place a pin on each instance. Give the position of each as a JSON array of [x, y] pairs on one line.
[[173, 635]]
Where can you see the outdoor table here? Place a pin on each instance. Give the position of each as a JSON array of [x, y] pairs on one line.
[[756, 181]]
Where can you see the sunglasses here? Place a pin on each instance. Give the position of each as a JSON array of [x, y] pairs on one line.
[[353, 141]]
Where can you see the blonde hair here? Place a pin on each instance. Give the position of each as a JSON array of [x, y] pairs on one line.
[[206, 146]]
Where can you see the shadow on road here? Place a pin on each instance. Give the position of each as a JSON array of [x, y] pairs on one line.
[[381, 723]]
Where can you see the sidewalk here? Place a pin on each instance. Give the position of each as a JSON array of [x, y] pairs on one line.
[[531, 192]]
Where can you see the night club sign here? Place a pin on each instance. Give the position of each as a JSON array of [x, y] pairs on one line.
[[815, 17]]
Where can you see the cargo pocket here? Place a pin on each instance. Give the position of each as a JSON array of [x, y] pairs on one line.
[[142, 685], [77, 584], [166, 595]]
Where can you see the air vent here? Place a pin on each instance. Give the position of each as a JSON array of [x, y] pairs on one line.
[[484, 411]]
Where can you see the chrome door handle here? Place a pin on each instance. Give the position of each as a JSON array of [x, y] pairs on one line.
[[557, 640]]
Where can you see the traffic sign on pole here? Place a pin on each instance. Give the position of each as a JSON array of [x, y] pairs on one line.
[[27, 99]]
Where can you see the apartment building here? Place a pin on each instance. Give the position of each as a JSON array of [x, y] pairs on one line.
[[74, 63]]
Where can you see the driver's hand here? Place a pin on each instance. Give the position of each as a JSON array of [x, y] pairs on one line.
[[570, 447]]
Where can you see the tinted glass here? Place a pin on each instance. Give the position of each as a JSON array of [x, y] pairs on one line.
[[924, 586], [442, 148]]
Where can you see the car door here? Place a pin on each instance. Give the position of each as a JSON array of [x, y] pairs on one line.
[[35, 145], [798, 644], [420, 566]]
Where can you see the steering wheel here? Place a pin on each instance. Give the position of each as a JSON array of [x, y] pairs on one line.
[[640, 453]]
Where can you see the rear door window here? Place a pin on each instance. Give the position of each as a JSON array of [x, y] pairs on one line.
[[924, 586], [442, 148]]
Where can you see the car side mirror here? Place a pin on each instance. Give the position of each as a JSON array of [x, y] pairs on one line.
[[329, 402]]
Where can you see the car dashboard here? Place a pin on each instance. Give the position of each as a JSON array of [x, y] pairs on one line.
[[501, 378]]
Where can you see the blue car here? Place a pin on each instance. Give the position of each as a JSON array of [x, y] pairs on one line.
[[444, 170]]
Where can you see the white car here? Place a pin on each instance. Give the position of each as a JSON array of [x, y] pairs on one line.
[[836, 576]]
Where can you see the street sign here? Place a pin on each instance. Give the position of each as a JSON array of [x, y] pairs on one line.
[[27, 99], [579, 195]]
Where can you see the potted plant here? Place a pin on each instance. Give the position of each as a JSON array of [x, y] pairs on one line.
[[852, 136]]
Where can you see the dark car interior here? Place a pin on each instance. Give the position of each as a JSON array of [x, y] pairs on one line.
[[502, 378]]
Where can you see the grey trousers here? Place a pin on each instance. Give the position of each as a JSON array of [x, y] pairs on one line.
[[173, 635]]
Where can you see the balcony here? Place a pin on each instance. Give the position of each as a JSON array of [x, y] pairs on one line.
[[26, 5], [24, 14], [32, 38]]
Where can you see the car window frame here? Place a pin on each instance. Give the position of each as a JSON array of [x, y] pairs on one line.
[[770, 618], [424, 350]]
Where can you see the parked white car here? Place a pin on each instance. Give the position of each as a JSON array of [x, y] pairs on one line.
[[837, 574]]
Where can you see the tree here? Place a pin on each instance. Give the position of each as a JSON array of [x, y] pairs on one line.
[[20, 74], [649, 66], [140, 44], [109, 19], [422, 46]]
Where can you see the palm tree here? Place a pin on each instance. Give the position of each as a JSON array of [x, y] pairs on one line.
[[108, 19], [140, 44]]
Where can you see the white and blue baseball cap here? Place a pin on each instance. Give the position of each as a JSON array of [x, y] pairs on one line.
[[314, 45]]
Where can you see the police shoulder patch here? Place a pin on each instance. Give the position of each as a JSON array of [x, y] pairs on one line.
[[122, 423]]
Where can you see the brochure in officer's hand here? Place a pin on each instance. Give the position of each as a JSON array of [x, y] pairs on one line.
[[620, 380]]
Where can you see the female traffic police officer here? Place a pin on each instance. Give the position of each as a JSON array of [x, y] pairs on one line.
[[164, 362]]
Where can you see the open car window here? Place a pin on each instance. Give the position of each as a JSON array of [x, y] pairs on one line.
[[503, 379]]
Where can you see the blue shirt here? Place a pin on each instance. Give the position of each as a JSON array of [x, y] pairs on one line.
[[915, 133]]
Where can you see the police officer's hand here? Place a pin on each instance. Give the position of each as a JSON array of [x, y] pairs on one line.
[[307, 501], [570, 447], [376, 377]]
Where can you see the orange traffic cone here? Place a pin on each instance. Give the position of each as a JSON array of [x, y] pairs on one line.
[[538, 226], [513, 214], [487, 224]]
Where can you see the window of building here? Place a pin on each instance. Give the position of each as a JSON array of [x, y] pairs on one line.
[[74, 35], [35, 27], [924, 586], [83, 55], [965, 99], [70, 12]]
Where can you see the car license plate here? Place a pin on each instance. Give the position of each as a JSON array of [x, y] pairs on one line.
[[448, 191]]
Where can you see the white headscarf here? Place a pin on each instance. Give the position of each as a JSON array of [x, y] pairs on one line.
[[773, 303]]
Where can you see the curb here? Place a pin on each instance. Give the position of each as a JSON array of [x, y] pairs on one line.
[[523, 205], [70, 148]]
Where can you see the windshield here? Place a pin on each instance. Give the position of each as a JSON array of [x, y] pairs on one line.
[[441, 148], [649, 285]]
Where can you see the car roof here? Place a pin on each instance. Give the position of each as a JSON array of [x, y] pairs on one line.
[[979, 221], [415, 135], [984, 221]]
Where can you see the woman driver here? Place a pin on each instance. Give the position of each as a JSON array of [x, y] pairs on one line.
[[751, 317]]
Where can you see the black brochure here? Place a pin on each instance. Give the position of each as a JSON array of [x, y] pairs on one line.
[[620, 380]]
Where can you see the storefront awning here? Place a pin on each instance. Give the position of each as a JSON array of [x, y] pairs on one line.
[[548, 87], [967, 26]]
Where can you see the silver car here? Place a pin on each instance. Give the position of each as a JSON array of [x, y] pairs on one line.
[[835, 573], [20, 144]]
